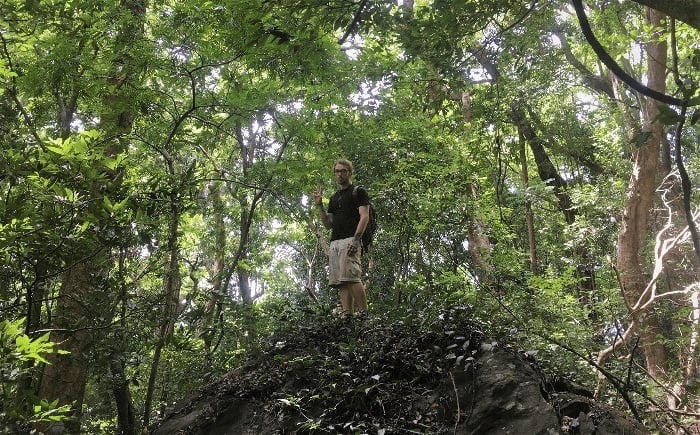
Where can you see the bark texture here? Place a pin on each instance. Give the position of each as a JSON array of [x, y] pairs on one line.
[[632, 238], [65, 376]]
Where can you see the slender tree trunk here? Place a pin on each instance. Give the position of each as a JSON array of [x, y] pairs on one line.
[[545, 168], [211, 310], [241, 271], [36, 296], [689, 361], [549, 174], [171, 295], [529, 218], [478, 242], [126, 415], [121, 122], [244, 289], [479, 245]]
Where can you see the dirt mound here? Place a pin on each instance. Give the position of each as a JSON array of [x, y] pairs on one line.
[[365, 376]]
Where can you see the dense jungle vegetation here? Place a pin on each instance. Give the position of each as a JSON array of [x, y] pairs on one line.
[[535, 161]]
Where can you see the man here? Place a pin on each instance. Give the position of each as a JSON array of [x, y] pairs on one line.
[[347, 217]]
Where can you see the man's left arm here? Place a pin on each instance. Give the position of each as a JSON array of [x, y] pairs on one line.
[[362, 224]]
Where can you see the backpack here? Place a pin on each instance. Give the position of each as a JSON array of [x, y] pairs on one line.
[[368, 235]]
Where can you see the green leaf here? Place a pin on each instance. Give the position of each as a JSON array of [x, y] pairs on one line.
[[667, 116], [57, 149], [7, 73]]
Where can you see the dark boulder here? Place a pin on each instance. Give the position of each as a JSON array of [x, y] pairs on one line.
[[365, 377]]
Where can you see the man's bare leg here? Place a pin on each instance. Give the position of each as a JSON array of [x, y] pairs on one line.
[[359, 295], [346, 298]]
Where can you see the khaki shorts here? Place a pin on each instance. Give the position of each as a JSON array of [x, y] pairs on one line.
[[344, 267]]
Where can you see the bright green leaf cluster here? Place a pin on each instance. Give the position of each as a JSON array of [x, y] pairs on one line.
[[19, 354]]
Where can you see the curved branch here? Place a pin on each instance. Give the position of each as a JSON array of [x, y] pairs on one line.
[[687, 186], [685, 180], [597, 83], [354, 23], [612, 65]]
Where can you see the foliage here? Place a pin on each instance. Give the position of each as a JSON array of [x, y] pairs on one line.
[[20, 355], [196, 132]]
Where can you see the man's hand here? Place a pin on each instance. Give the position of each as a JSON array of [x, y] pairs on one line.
[[354, 246], [318, 195]]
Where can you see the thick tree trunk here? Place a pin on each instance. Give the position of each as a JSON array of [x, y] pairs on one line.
[[82, 301], [65, 376], [632, 240], [244, 290]]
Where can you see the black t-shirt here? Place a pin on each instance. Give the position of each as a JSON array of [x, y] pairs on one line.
[[345, 213]]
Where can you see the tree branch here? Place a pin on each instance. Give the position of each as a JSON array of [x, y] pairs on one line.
[[612, 65], [661, 249], [354, 23], [596, 83], [687, 11]]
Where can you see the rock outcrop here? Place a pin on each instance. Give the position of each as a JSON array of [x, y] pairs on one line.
[[366, 377]]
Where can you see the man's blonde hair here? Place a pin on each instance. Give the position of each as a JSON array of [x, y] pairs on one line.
[[345, 162]]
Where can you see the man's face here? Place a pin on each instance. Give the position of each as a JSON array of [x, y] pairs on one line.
[[341, 173]]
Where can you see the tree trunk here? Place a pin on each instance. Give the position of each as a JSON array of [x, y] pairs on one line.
[[126, 415], [479, 244], [79, 303], [631, 241], [545, 168], [529, 218], [65, 376], [171, 296], [550, 176], [121, 123], [244, 286], [36, 296], [211, 308]]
